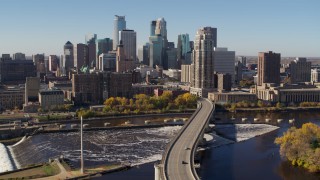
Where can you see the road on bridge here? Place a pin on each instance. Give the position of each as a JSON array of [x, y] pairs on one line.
[[177, 164]]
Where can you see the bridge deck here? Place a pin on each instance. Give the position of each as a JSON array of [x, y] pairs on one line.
[[181, 150]]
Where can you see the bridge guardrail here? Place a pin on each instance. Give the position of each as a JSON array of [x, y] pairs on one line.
[[172, 142]]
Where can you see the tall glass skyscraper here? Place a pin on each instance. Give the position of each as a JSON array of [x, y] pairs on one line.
[[67, 57], [153, 28], [119, 25]]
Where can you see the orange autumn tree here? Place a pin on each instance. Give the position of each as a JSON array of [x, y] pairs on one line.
[[302, 146]]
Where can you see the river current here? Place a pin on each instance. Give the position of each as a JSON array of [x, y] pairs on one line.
[[130, 146]]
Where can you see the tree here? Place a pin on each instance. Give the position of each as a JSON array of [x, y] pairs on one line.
[[279, 105], [302, 146]]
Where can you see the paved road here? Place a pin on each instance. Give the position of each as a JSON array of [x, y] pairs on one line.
[[182, 149]]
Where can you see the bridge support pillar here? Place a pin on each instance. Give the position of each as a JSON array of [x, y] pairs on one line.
[[157, 173]]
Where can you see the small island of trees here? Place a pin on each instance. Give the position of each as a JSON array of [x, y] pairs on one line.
[[302, 146]]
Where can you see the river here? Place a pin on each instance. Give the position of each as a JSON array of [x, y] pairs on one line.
[[133, 146], [256, 158]]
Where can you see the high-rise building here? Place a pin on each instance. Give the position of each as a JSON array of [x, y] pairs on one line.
[[128, 39], [268, 68], [161, 28], [238, 71], [53, 62], [185, 73], [38, 61], [315, 75], [19, 56], [156, 51], [103, 46], [107, 62], [172, 58], [202, 67], [90, 38], [32, 87], [81, 55], [15, 72], [224, 81], [143, 54], [300, 70], [67, 62], [183, 46], [243, 60], [87, 88], [153, 28], [224, 61], [119, 25], [122, 63], [6, 57], [117, 85], [92, 54]]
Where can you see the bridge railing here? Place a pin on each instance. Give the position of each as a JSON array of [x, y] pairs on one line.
[[195, 145], [172, 142]]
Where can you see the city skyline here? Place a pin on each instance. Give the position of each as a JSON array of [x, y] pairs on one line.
[[246, 27]]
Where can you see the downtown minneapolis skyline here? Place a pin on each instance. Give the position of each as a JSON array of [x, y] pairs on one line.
[[289, 27]]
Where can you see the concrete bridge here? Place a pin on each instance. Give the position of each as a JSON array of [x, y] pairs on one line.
[[178, 159]]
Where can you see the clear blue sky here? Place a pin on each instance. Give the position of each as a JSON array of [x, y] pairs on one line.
[[291, 27]]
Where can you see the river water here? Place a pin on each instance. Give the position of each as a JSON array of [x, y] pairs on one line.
[[134, 146], [256, 158]]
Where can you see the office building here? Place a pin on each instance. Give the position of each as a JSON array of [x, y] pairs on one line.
[[128, 38], [172, 58], [202, 67], [153, 28], [107, 62], [300, 70], [5, 57], [183, 46], [19, 56], [38, 61], [16, 71], [67, 62], [32, 87], [122, 63], [117, 85], [50, 99], [119, 25], [156, 51], [90, 38], [11, 97], [224, 61], [243, 60], [53, 63], [224, 82], [238, 72], [103, 46], [92, 54], [87, 88], [143, 54], [81, 55], [185, 73], [268, 68], [315, 75]]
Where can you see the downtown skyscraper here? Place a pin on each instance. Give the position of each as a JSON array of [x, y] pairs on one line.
[[268, 68], [119, 25], [202, 67]]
